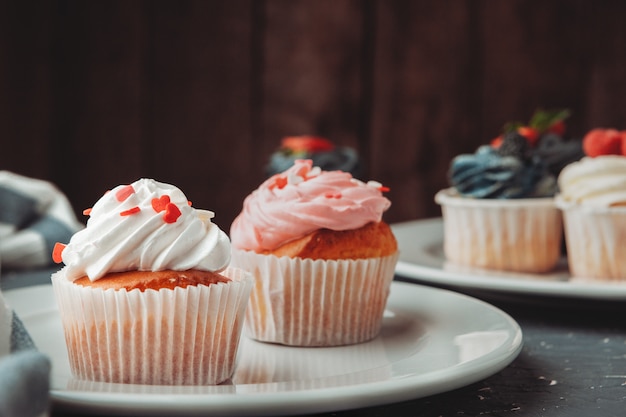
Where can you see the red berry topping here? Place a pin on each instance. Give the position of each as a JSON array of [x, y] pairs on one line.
[[531, 134], [623, 135], [307, 144], [603, 142], [495, 143], [557, 128]]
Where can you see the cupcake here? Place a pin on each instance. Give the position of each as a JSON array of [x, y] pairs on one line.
[[322, 257], [499, 212], [592, 198], [146, 295], [321, 151]]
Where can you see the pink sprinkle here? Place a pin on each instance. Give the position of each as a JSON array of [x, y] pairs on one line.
[[281, 182], [130, 211], [124, 192]]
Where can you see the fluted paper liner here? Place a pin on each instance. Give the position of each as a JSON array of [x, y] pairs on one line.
[[521, 235], [305, 302], [184, 336], [595, 241]]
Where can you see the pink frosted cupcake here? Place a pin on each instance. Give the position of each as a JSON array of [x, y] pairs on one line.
[[146, 296], [593, 200], [322, 257]]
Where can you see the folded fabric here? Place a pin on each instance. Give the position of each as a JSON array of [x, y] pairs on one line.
[[24, 372], [34, 215]]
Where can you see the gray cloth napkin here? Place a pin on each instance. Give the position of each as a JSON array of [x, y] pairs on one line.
[[24, 372], [34, 215]]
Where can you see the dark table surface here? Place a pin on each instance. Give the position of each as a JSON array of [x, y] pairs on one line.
[[573, 363]]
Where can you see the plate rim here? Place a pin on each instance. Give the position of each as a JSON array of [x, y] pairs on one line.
[[308, 400], [422, 273]]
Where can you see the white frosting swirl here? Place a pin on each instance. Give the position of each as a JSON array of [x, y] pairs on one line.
[[597, 182], [146, 226]]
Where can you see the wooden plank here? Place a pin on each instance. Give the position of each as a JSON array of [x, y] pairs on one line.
[[313, 73], [97, 95], [25, 96], [200, 102], [422, 101], [199, 93], [532, 55]]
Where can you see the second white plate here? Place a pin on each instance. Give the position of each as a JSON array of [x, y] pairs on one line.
[[432, 341], [422, 260]]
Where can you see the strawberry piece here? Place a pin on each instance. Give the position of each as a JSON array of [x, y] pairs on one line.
[[623, 135], [496, 142], [530, 133], [307, 144], [603, 142], [557, 128]]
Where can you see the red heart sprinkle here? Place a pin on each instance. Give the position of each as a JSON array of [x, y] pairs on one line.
[[87, 212], [159, 204], [57, 251], [124, 192], [172, 213]]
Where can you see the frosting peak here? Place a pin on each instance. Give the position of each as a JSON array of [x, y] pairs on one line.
[[488, 174], [294, 203], [595, 181], [145, 226]]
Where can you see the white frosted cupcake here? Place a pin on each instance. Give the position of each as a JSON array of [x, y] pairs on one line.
[[145, 296], [322, 257], [500, 213], [593, 200]]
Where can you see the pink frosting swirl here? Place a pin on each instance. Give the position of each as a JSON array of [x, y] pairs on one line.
[[303, 199]]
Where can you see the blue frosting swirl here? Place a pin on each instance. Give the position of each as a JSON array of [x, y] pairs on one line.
[[339, 159], [487, 174]]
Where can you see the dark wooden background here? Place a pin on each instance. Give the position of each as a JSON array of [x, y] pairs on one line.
[[199, 93]]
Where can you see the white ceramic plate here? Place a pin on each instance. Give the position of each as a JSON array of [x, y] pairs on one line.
[[422, 260], [432, 341]]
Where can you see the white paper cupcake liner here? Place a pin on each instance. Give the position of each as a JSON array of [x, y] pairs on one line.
[[305, 302], [522, 235], [595, 241], [185, 336]]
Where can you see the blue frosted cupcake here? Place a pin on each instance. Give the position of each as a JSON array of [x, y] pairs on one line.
[[499, 212]]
